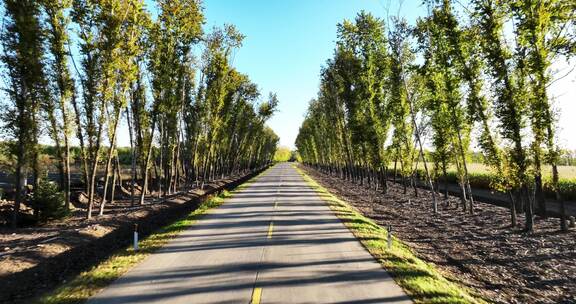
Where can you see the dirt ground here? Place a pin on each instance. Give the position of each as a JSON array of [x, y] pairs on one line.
[[481, 251], [38, 258]]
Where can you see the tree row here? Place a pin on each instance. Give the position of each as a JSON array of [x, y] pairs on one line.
[[466, 75], [79, 72]]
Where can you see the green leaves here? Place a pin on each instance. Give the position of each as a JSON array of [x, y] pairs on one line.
[[459, 74], [209, 125], [267, 108]]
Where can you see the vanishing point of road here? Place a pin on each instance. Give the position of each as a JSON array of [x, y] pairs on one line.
[[274, 241]]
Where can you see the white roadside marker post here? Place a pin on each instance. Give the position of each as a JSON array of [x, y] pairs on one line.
[[135, 237]]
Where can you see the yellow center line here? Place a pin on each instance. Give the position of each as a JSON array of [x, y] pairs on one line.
[[256, 295], [257, 291], [270, 229]]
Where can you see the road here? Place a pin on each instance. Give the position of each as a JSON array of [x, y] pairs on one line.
[[275, 241]]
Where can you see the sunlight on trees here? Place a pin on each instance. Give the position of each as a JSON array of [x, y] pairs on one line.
[[392, 86], [191, 119]]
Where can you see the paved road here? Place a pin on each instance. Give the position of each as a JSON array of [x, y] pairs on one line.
[[273, 242]]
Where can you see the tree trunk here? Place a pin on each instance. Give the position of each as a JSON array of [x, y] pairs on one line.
[[36, 174], [20, 181], [91, 186], [463, 196], [147, 162], [80, 137], [417, 133], [555, 183], [539, 194], [529, 227], [119, 172], [66, 169], [160, 179], [445, 177], [466, 181], [93, 170], [115, 175], [383, 179], [133, 158], [513, 216], [111, 151]]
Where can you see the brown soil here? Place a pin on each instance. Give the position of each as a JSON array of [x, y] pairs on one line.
[[480, 251], [36, 259]]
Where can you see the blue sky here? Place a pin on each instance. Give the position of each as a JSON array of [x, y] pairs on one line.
[[286, 44]]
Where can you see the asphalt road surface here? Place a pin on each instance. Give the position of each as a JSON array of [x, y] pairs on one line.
[[275, 241]]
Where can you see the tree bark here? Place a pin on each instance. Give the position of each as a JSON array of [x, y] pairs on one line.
[[147, 162], [111, 151]]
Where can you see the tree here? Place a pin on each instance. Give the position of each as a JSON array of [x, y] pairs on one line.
[[444, 83], [177, 28], [26, 87], [542, 31], [282, 154], [368, 91], [57, 22], [184, 128], [85, 14], [127, 26], [401, 145], [363, 44], [510, 108]]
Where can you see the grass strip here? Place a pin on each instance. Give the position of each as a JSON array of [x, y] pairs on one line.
[[90, 282], [421, 280]]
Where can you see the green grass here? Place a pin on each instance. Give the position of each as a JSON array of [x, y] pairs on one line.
[[421, 280], [90, 282]]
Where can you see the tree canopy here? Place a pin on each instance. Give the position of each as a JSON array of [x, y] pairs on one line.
[[393, 89]]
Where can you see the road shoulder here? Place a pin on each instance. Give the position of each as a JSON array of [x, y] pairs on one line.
[[421, 280]]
